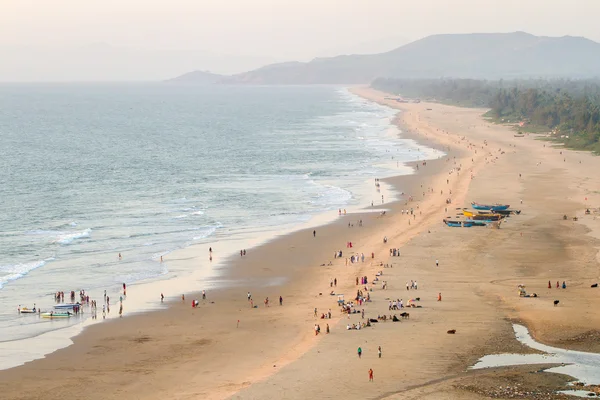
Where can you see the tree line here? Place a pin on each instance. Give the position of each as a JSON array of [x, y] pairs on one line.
[[569, 108]]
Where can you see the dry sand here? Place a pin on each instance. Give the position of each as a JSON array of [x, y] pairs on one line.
[[185, 353]]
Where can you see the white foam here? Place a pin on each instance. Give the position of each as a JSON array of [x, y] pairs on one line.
[[67, 238], [17, 271]]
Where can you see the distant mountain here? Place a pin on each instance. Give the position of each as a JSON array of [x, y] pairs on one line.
[[198, 77], [479, 55]]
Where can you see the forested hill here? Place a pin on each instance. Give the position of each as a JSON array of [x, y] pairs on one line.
[[569, 108]]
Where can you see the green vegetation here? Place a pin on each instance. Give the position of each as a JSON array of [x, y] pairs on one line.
[[570, 109]]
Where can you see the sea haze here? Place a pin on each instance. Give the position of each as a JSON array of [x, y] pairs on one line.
[[90, 171]]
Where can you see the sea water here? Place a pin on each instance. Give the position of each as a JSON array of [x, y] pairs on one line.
[[91, 171]]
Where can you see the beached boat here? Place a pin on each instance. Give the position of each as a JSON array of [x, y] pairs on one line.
[[488, 217], [482, 222], [52, 314], [454, 224], [493, 207], [502, 212]]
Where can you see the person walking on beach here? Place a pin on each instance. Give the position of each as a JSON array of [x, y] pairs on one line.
[[315, 311], [379, 351], [359, 352], [121, 310], [327, 329], [249, 296], [437, 263], [439, 297], [267, 302], [280, 300], [204, 295], [335, 282], [370, 375], [162, 297], [314, 233]]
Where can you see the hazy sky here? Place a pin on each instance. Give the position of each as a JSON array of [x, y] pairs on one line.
[[276, 29]]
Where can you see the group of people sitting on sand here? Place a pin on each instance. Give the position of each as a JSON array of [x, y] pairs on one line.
[[358, 326]]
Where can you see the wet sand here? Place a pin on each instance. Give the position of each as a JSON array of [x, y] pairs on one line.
[[185, 353]]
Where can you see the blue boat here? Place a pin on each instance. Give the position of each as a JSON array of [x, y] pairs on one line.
[[455, 224], [479, 222], [494, 207]]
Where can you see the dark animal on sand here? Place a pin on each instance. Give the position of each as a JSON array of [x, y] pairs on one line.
[[556, 302], [451, 331], [405, 315], [595, 285]]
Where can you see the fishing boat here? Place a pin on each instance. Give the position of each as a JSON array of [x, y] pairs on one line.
[[454, 224], [502, 212], [488, 217], [26, 310], [53, 314], [482, 222], [493, 207]]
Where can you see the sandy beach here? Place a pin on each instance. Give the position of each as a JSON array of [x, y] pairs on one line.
[[226, 349]]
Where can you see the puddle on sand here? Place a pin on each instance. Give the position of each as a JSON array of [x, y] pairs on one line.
[[585, 367], [578, 393]]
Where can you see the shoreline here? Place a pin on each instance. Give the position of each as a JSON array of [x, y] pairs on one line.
[[336, 223], [210, 277], [274, 352], [220, 272]]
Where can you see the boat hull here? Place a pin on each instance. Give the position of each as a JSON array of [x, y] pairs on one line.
[[491, 207], [56, 315]]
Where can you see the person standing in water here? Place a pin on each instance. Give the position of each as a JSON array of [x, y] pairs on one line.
[[120, 257]]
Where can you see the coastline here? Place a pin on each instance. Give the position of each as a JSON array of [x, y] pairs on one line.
[[209, 276], [87, 333], [180, 354]]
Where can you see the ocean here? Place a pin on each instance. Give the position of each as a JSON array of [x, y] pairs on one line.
[[91, 171]]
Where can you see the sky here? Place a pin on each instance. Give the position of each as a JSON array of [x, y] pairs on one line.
[[228, 36]]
